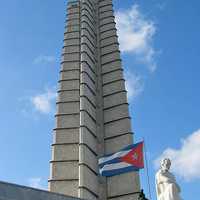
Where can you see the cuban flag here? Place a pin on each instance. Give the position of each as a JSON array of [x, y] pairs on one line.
[[126, 160]]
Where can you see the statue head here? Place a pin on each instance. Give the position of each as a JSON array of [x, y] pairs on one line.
[[165, 164]]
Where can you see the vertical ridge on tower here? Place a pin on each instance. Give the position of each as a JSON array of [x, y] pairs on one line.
[[92, 117]]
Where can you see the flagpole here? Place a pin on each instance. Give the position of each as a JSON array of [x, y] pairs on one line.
[[147, 169]]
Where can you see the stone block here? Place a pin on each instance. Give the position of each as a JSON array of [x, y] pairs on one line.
[[105, 8], [91, 53], [89, 42], [89, 20], [113, 76], [116, 113], [87, 138], [70, 65], [109, 41], [105, 14], [87, 80], [85, 194], [109, 49], [87, 157], [90, 62], [85, 91], [86, 68], [67, 136], [65, 170], [107, 27], [68, 108], [71, 35], [86, 105], [88, 13], [108, 33], [115, 144], [68, 121], [106, 20], [66, 96], [71, 42], [86, 120], [88, 179], [87, 32], [114, 87], [71, 22], [105, 2], [73, 10], [74, 16], [71, 57], [68, 75], [111, 66], [117, 128], [72, 28], [69, 85], [59, 152], [115, 99], [85, 25], [110, 57], [130, 184], [71, 49], [65, 187]]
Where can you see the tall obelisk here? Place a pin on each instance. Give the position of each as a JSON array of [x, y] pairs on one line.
[[92, 117]]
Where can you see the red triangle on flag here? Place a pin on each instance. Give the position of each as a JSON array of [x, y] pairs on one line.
[[135, 156]]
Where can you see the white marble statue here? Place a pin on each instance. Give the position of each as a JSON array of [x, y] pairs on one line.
[[166, 186]]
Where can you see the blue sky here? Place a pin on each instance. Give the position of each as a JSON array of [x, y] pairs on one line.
[[160, 55]]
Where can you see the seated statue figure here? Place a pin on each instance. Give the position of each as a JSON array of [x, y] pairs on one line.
[[166, 186]]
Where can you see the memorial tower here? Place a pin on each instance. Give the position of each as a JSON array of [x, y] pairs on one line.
[[92, 118]]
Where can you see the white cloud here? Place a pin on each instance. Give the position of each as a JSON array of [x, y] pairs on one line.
[[134, 85], [44, 102], [186, 160], [44, 59], [36, 183], [136, 35]]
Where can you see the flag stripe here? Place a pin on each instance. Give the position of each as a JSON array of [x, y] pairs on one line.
[[104, 160], [115, 166], [114, 172]]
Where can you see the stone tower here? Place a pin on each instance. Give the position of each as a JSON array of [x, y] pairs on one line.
[[92, 117]]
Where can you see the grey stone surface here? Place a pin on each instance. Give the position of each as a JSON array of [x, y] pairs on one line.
[[67, 96], [109, 40], [115, 99], [67, 75], [87, 138], [70, 85], [111, 56], [64, 136], [87, 157], [70, 65], [113, 87], [92, 111], [59, 152], [68, 121], [59, 170], [111, 66], [85, 194], [10, 191], [87, 106], [68, 107], [66, 187], [115, 113], [114, 144], [117, 128], [89, 179], [116, 188]]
